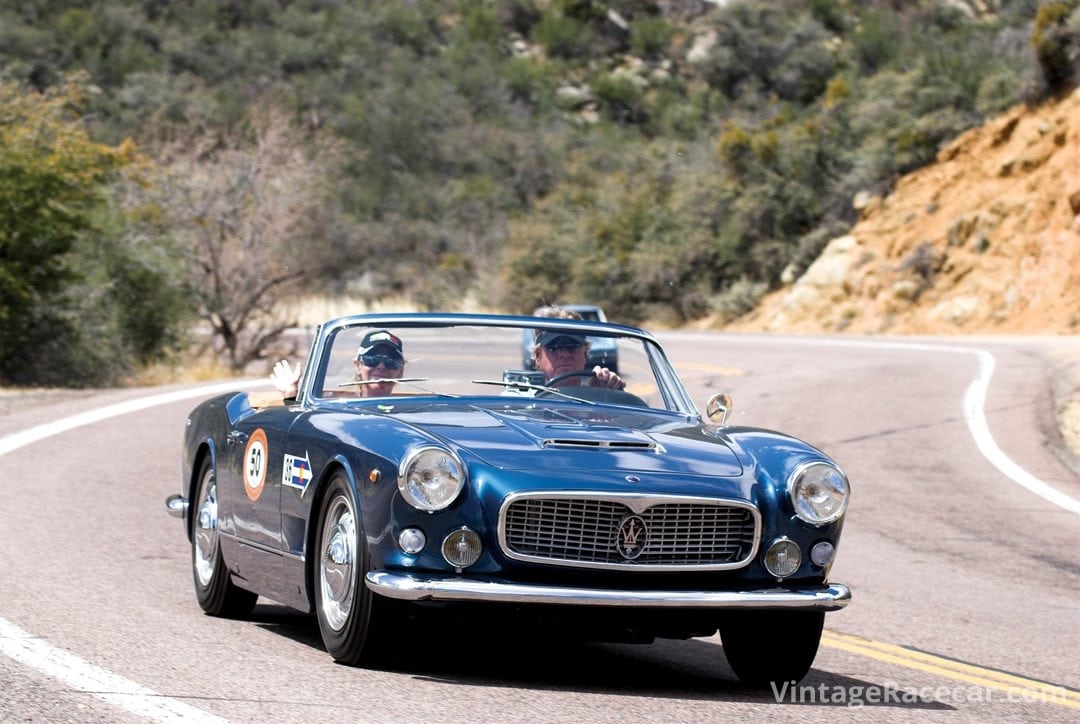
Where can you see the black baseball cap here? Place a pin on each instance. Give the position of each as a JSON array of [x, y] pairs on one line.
[[380, 338], [547, 336]]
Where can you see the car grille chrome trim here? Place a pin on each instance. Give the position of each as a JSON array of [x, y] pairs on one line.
[[582, 529]]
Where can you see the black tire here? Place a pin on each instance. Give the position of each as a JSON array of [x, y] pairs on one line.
[[214, 589], [771, 646], [352, 620]]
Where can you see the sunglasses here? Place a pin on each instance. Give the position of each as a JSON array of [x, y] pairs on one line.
[[563, 346], [374, 360]]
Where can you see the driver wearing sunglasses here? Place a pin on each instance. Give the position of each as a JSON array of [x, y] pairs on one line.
[[562, 356], [562, 359]]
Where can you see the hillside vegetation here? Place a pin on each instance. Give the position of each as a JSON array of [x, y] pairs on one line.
[[200, 161], [984, 240]]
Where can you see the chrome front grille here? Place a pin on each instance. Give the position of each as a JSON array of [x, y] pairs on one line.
[[677, 533]]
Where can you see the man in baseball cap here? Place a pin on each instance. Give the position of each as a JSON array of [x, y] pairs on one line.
[[380, 357], [380, 338], [548, 337], [561, 355]]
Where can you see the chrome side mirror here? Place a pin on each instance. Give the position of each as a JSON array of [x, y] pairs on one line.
[[719, 407]]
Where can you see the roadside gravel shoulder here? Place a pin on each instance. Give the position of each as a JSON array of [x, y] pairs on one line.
[[1066, 388], [17, 399]]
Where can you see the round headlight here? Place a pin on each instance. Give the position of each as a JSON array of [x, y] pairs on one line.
[[431, 478], [819, 492]]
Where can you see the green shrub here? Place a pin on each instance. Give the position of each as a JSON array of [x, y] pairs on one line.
[[52, 181], [649, 37], [876, 41], [997, 91], [738, 298], [620, 98], [563, 36], [526, 81], [480, 22], [735, 148], [1056, 40], [806, 64], [681, 117], [832, 14], [538, 268]]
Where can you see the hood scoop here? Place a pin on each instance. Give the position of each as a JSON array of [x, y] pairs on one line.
[[569, 443]]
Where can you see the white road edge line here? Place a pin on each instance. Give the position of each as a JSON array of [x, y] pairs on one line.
[[975, 412], [40, 432], [83, 676], [64, 666]]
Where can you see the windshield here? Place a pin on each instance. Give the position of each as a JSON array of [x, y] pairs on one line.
[[372, 361]]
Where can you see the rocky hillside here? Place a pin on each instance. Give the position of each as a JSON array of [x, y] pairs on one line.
[[986, 240]]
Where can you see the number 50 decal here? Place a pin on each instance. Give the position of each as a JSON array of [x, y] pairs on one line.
[[256, 457]]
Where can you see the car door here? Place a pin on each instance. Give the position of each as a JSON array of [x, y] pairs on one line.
[[249, 491]]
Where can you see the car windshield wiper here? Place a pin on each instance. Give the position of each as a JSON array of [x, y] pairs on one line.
[[398, 381], [530, 386]]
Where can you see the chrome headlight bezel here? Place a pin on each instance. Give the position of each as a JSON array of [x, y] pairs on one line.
[[431, 478], [819, 492]]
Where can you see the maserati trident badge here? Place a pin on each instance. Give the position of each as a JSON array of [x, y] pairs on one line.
[[633, 534]]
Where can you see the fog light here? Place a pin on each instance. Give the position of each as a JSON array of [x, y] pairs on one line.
[[411, 540], [822, 553], [783, 558], [461, 548]]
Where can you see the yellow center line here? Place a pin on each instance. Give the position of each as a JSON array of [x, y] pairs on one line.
[[1022, 688]]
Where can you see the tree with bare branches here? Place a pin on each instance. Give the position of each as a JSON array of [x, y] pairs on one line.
[[242, 207]]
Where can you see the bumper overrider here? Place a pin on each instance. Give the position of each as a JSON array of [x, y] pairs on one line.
[[830, 597], [177, 506]]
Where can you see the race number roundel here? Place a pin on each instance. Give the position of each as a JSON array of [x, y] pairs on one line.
[[255, 459]]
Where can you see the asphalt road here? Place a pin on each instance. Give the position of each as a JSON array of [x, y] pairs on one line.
[[960, 547]]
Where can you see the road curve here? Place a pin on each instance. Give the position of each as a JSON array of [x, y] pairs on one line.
[[959, 547]]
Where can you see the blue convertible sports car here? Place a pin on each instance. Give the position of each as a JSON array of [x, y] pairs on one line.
[[420, 472]]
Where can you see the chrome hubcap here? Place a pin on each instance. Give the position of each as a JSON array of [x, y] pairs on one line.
[[337, 569], [206, 533]]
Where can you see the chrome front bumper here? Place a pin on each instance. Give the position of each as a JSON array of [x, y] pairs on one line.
[[432, 588]]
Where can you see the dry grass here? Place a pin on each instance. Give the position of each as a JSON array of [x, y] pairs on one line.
[[312, 310], [194, 369]]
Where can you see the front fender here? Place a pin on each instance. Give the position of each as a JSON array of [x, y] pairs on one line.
[[774, 457]]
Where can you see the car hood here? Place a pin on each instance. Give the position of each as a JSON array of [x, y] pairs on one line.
[[601, 438]]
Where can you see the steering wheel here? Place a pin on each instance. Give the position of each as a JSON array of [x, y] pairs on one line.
[[568, 375]]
